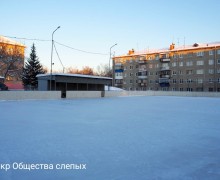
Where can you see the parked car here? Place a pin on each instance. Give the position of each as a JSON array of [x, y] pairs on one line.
[[3, 87]]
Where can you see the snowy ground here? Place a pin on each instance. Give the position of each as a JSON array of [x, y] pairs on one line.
[[124, 138]]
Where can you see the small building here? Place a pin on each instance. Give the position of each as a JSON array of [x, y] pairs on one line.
[[72, 82]]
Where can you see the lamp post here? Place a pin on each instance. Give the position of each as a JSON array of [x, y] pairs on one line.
[[51, 63], [110, 61]]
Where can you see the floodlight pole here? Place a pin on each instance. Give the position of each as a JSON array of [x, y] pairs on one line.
[[110, 61], [51, 63]]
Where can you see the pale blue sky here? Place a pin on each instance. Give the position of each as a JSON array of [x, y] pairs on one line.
[[95, 25]]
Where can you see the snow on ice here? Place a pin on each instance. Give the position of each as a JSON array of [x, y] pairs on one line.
[[124, 138]]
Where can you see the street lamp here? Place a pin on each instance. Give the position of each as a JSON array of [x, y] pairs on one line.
[[111, 55], [51, 63], [110, 61]]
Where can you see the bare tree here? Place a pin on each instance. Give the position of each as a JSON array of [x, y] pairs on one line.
[[87, 70], [103, 70], [11, 61], [72, 70]]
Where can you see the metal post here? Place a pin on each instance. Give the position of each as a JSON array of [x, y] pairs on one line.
[[110, 62], [51, 63]]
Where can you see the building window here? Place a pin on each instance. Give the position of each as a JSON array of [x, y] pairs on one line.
[[189, 63], [131, 67], [189, 80], [189, 72], [181, 81], [189, 89], [218, 71], [211, 89], [175, 56], [211, 80], [131, 81], [201, 53], [210, 52], [131, 74], [200, 63], [151, 73], [218, 80], [174, 81], [180, 63], [181, 89], [218, 51], [180, 72], [180, 55], [190, 54], [211, 62], [200, 71], [174, 64], [218, 61], [211, 71], [151, 81], [200, 81], [150, 66], [174, 89], [156, 65], [174, 72], [118, 74]]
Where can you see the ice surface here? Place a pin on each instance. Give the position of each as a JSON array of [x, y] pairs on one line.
[[124, 138]]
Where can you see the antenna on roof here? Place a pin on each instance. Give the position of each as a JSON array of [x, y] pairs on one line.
[[178, 42], [184, 42]]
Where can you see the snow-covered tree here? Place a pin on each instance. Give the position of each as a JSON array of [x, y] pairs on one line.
[[31, 69]]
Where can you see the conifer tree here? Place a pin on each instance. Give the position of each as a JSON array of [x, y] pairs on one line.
[[31, 69]]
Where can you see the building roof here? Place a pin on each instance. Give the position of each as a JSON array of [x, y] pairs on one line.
[[9, 41], [195, 46], [73, 75]]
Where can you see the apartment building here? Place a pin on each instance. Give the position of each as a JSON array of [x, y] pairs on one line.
[[193, 67], [11, 62]]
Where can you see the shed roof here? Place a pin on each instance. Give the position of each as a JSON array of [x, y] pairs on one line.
[[74, 75]]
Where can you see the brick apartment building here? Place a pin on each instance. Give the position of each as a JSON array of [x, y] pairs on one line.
[[188, 68]]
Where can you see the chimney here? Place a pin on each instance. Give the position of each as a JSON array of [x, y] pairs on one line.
[[130, 52], [172, 46]]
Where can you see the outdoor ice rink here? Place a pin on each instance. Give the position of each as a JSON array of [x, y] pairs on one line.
[[122, 138]]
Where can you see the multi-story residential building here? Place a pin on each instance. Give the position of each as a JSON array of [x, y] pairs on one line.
[[11, 62], [187, 68]]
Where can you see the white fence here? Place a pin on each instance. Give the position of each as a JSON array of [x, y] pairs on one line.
[[22, 95], [83, 94], [161, 93]]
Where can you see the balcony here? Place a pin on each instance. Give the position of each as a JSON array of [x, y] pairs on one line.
[[118, 66], [142, 74], [142, 62], [164, 82], [165, 76], [118, 77], [118, 82], [167, 68], [142, 83], [165, 60]]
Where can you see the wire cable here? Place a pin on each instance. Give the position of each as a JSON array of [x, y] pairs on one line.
[[29, 39], [61, 44], [58, 56], [103, 54]]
